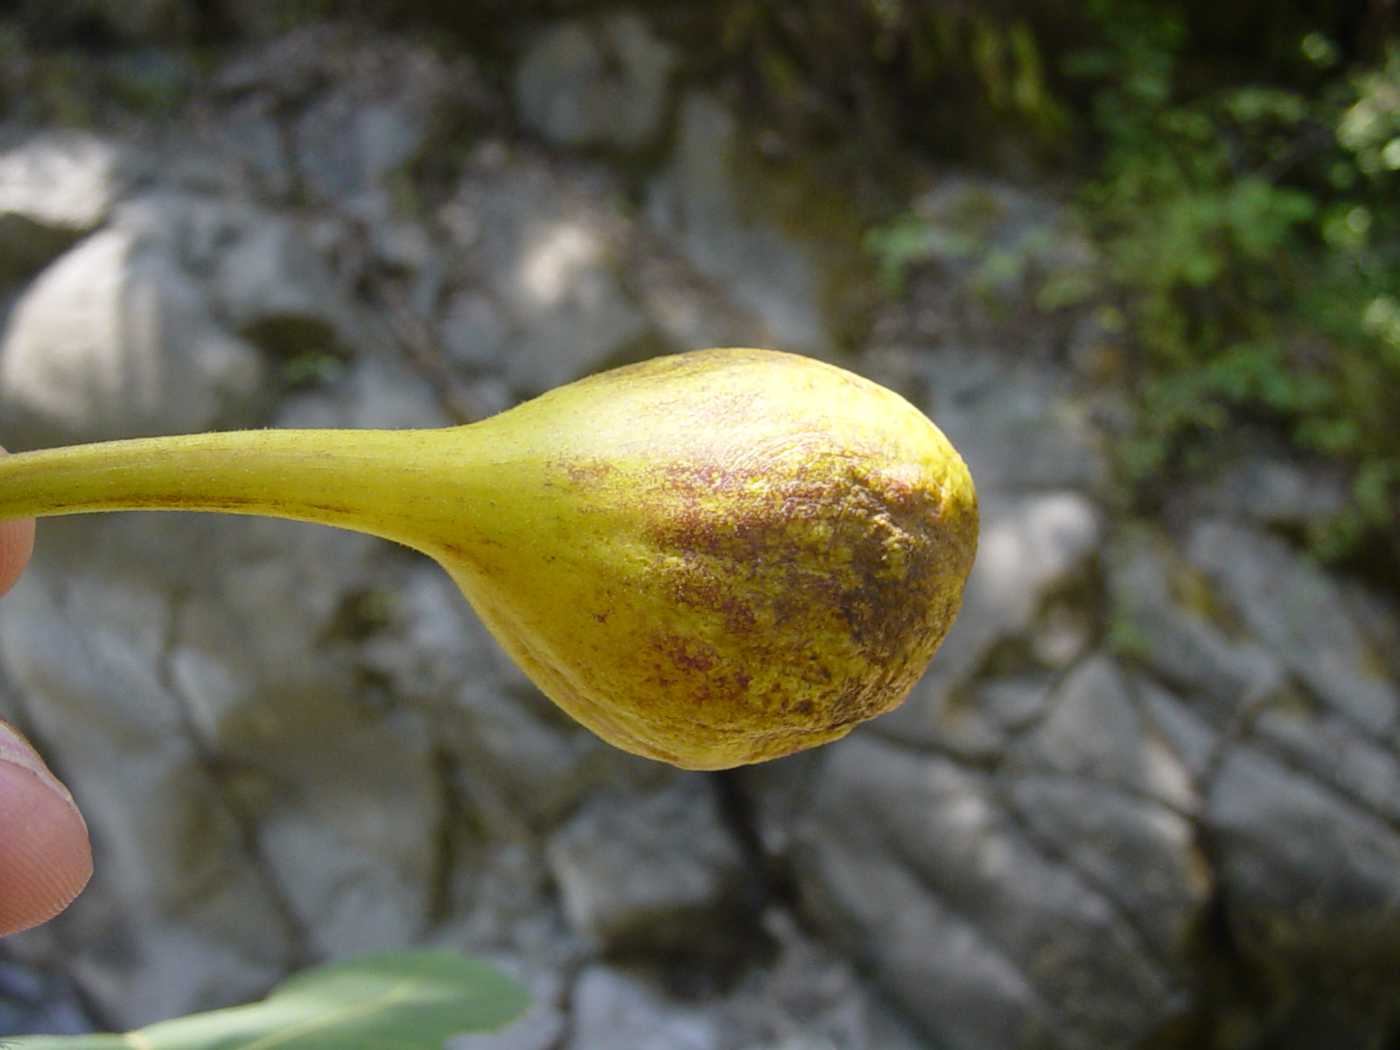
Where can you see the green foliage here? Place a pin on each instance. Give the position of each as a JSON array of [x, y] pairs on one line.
[[1250, 232], [413, 1000], [887, 73], [68, 87], [972, 231]]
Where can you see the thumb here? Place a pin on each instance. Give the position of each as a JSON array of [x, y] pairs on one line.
[[45, 857]]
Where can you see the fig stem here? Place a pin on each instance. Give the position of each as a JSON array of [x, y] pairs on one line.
[[386, 482]]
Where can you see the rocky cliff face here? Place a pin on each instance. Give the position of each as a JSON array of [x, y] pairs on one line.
[[1148, 795]]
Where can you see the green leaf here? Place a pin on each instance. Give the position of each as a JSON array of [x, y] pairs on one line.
[[401, 1000]]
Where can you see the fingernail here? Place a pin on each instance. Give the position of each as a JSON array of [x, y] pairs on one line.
[[15, 750]]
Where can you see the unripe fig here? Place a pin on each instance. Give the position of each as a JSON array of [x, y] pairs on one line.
[[709, 559]]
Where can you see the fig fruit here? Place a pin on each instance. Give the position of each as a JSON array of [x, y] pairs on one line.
[[710, 559]]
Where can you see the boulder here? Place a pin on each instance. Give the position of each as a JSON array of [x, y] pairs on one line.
[[117, 339], [1308, 872], [260, 270], [1302, 617], [706, 208], [595, 83], [548, 245], [613, 1007], [1164, 613], [901, 851], [55, 187], [1018, 424], [652, 873]]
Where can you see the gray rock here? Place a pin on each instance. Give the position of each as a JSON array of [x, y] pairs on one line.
[[159, 967], [807, 997], [116, 339], [473, 330], [55, 186], [978, 720], [657, 872], [1030, 547], [1271, 491], [261, 272], [1096, 733], [252, 135], [347, 143], [542, 1027], [1304, 619], [613, 1008], [33, 1001], [341, 781], [407, 245], [600, 83], [1141, 855], [1175, 725], [968, 994], [1017, 425], [374, 392], [1100, 782], [1015, 702], [355, 842], [548, 246], [1166, 614], [705, 208], [1304, 871], [688, 308], [339, 794], [289, 66], [428, 644], [777, 793], [375, 114], [272, 287], [1329, 748], [497, 899], [519, 756], [901, 851]]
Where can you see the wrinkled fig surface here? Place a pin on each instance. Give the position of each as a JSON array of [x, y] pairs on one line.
[[709, 559]]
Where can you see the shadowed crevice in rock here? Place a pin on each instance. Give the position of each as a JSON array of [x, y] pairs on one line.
[[448, 853]]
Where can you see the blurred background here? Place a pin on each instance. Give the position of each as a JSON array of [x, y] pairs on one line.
[[1141, 261]]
